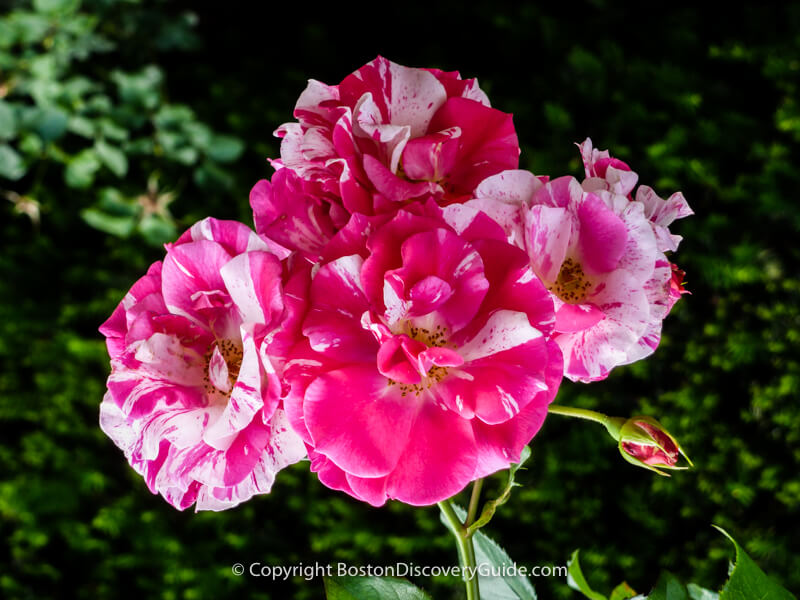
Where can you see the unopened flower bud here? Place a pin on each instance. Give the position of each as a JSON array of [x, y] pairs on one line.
[[645, 442]]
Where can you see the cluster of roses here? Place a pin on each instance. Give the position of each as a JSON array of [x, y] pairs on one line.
[[402, 314]]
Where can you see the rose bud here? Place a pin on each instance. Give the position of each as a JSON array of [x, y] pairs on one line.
[[645, 442]]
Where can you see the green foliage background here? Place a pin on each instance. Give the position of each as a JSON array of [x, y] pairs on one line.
[[122, 122]]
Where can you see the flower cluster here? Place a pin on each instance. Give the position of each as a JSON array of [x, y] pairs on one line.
[[403, 313]]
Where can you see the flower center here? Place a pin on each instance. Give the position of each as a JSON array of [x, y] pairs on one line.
[[571, 285], [428, 337], [432, 338], [223, 361], [434, 375]]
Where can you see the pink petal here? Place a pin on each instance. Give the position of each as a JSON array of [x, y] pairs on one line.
[[503, 330], [245, 402], [244, 453], [590, 354], [384, 246], [333, 324], [548, 234], [253, 281], [397, 359], [358, 421], [429, 294], [404, 95], [497, 387], [389, 138], [437, 461], [191, 268], [329, 474], [501, 444], [391, 186], [515, 187], [234, 236], [164, 356], [371, 490], [602, 235], [283, 212], [488, 141], [662, 213], [641, 249], [448, 258], [355, 197], [144, 296], [620, 178], [441, 357], [218, 371], [577, 317], [455, 86], [514, 286], [433, 156], [310, 106], [559, 192]]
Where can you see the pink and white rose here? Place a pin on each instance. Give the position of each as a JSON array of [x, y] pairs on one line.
[[389, 134], [609, 178], [427, 362], [597, 253], [194, 393]]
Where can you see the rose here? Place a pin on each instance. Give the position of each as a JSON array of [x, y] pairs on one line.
[[194, 392], [427, 362]]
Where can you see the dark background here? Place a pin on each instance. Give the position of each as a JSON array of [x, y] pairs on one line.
[[694, 99]]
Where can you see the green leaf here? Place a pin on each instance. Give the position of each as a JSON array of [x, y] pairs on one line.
[[112, 131], [120, 226], [507, 585], [44, 67], [112, 157], [748, 581], [698, 593], [225, 148], [173, 116], [372, 588], [49, 122], [489, 552], [199, 135], [44, 91], [577, 581], [7, 35], [140, 88], [81, 169], [31, 144], [668, 588], [55, 6], [11, 164], [31, 27], [99, 104], [491, 506], [186, 155], [8, 121], [622, 592], [175, 147], [76, 88], [81, 126], [112, 202]]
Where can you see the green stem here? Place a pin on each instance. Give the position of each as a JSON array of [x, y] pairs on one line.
[[580, 413], [472, 512], [466, 550], [612, 424]]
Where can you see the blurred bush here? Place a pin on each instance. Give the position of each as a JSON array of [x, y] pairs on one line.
[[108, 131], [122, 122]]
